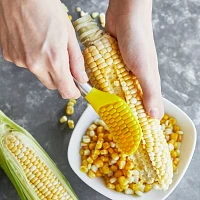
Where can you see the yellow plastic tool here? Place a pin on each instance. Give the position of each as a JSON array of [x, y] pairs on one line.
[[117, 115]]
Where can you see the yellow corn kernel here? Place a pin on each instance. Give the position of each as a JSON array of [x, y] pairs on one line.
[[104, 158], [81, 152], [71, 124], [124, 171], [147, 188], [84, 157], [176, 161], [92, 127], [63, 119], [94, 138], [105, 137], [110, 150], [105, 169], [174, 167], [92, 146], [172, 121], [70, 17], [94, 157], [99, 144], [179, 138], [174, 153], [104, 152], [98, 163], [118, 188], [70, 103], [70, 110], [96, 152], [84, 169], [171, 141], [129, 165], [110, 137], [135, 187], [166, 117], [91, 174], [175, 145], [124, 187], [121, 164], [85, 147], [106, 145], [95, 15], [85, 163], [100, 129], [122, 180], [110, 186], [100, 135], [73, 101], [118, 173], [174, 136], [90, 160], [99, 174], [115, 156], [176, 128], [114, 168]]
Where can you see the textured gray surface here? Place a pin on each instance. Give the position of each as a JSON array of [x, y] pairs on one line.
[[177, 35]]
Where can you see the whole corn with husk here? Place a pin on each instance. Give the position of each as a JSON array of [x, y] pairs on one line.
[[27, 165], [107, 72]]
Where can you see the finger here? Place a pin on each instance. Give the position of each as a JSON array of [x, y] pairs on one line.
[[76, 60], [46, 79], [158, 85], [63, 79], [151, 93], [5, 54]]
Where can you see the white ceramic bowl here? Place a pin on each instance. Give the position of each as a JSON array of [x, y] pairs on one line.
[[187, 149]]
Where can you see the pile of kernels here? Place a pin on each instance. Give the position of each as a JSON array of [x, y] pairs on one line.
[[101, 157], [69, 111]]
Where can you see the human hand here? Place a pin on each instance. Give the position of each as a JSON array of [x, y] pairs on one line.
[[129, 21], [39, 36]]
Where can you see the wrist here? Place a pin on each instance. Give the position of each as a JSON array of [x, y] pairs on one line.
[[126, 7]]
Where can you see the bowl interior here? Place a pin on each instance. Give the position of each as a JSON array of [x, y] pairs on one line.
[[187, 149]]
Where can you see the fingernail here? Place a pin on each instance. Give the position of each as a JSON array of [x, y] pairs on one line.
[[154, 113], [84, 76]]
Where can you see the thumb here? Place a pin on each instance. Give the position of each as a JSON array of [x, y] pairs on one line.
[[76, 58]]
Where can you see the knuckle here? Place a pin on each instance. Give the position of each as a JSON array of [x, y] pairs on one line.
[[51, 87], [68, 94], [31, 64], [78, 61]]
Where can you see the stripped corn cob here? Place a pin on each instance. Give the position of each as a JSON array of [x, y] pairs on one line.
[[32, 172], [107, 72]]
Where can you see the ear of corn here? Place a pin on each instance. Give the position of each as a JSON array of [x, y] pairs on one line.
[[27, 165], [107, 72]]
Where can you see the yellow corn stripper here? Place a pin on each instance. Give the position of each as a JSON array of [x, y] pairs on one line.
[[117, 115]]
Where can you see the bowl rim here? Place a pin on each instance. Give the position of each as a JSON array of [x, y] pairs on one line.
[[170, 190]]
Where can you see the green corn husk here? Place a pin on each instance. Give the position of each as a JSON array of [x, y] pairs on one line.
[[14, 169]]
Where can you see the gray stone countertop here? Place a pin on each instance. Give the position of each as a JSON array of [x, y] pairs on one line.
[[177, 35]]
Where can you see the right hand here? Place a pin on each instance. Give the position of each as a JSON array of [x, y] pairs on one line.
[[38, 35]]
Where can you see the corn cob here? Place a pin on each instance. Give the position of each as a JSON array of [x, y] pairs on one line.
[[29, 168], [107, 72]]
